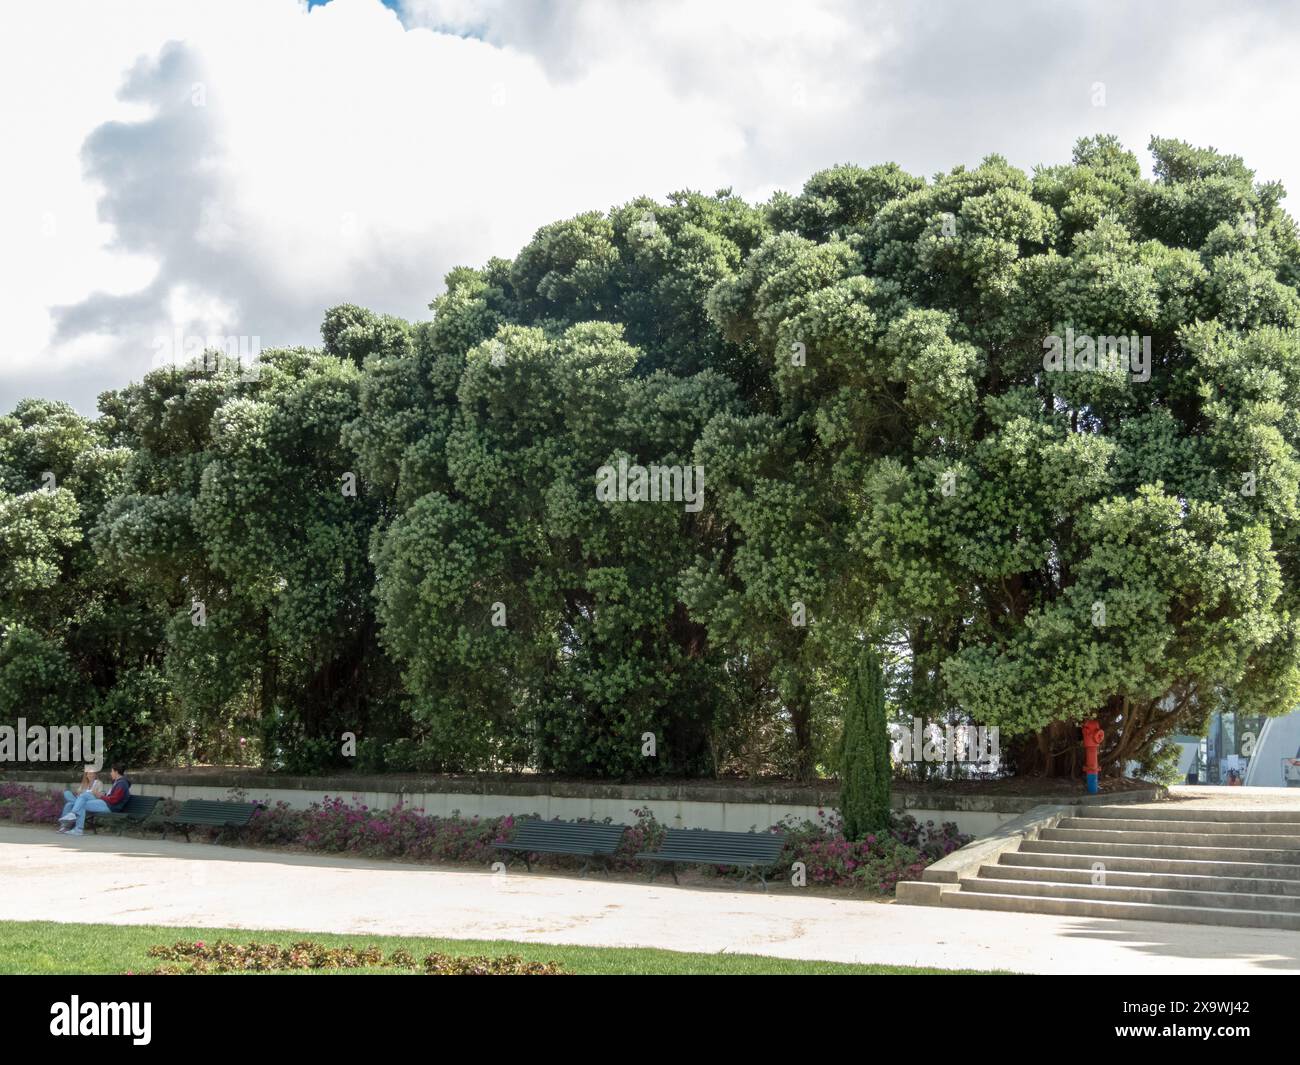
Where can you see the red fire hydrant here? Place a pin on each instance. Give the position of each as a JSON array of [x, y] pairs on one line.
[[1092, 737]]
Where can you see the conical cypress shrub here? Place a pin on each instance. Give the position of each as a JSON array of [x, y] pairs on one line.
[[865, 773]]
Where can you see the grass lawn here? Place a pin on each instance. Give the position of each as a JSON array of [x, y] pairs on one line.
[[40, 947]]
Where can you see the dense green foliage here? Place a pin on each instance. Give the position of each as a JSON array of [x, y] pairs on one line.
[[862, 372], [864, 768]]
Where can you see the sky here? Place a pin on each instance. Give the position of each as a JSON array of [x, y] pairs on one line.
[[228, 169]]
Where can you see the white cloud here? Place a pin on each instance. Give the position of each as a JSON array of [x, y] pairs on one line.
[[343, 154]]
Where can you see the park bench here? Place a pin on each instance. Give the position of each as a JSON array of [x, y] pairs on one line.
[[755, 852], [211, 813], [138, 809], [582, 839]]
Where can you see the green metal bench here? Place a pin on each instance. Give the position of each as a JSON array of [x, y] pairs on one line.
[[755, 852], [138, 809], [211, 813], [582, 839]]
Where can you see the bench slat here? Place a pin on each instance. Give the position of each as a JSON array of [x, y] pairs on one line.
[[692, 846], [215, 812], [137, 808], [535, 836]]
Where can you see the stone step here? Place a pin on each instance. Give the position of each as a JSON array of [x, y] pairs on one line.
[[1186, 811], [1121, 893], [1095, 834], [1130, 911], [1196, 867], [1147, 850], [1236, 828], [1249, 885]]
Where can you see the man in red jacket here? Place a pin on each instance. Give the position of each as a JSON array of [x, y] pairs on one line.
[[87, 803]]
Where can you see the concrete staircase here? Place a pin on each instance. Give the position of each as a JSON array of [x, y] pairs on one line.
[[1155, 863]]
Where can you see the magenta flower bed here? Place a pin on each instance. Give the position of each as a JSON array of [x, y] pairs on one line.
[[400, 832], [338, 826], [877, 862], [24, 804]]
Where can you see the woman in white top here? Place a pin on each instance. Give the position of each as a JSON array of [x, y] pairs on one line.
[[89, 783]]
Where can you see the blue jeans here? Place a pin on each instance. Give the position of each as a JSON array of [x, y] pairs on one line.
[[71, 797], [83, 803]]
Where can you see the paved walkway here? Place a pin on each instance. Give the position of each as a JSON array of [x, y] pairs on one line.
[[45, 876], [1222, 797]]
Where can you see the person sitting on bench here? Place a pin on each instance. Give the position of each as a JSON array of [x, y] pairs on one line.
[[88, 803], [89, 782]]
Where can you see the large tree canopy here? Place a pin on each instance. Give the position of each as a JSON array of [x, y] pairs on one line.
[[245, 512], [1054, 545], [1036, 434]]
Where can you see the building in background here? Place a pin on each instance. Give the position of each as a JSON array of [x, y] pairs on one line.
[[1261, 752]]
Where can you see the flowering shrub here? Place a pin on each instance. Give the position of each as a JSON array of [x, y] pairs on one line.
[[645, 835], [335, 825], [878, 861], [24, 804], [221, 957]]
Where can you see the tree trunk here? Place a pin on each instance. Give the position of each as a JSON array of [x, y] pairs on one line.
[[1057, 750], [1054, 751], [266, 696], [801, 717]]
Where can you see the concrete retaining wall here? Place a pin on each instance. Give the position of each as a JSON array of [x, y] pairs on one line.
[[727, 807]]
